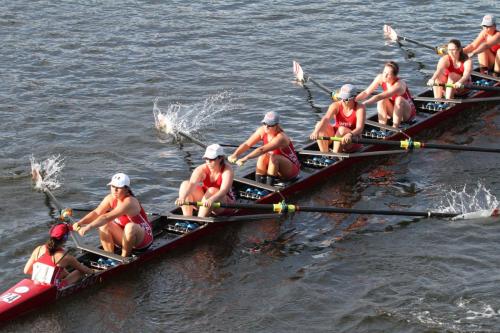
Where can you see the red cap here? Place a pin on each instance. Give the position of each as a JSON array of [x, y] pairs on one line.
[[60, 230]]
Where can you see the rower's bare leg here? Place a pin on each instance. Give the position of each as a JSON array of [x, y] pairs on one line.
[[281, 167], [108, 234], [497, 65], [262, 162], [132, 236], [401, 111], [337, 146], [323, 145], [205, 211], [73, 277], [452, 78], [384, 108], [486, 61], [195, 195]]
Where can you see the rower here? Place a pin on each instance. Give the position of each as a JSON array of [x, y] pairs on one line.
[[276, 158], [120, 218], [486, 46], [455, 68], [395, 101], [349, 120], [48, 262], [209, 183]]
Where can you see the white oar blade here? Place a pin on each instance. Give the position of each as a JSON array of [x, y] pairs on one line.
[[390, 33], [298, 72], [478, 215]]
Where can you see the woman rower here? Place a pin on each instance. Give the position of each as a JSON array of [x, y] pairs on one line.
[[395, 101], [277, 158], [48, 262], [349, 119], [486, 46], [210, 182], [120, 218], [455, 68]]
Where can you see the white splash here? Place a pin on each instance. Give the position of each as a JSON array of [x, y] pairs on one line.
[[46, 173], [468, 199], [191, 118]]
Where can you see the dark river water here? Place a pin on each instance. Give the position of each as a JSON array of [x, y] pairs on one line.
[[80, 80]]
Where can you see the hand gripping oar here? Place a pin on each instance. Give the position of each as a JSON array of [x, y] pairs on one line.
[[410, 144], [392, 35], [66, 214], [283, 208]]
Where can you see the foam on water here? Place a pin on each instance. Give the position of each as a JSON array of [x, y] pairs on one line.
[[468, 199], [47, 172], [191, 118]]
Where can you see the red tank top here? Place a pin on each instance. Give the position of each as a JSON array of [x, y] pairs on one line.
[[406, 95], [140, 218], [288, 152], [451, 68], [207, 182], [45, 270], [346, 121]]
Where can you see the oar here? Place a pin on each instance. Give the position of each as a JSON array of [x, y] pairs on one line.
[[66, 213], [393, 35], [457, 100], [470, 86], [410, 144], [283, 208], [303, 77]]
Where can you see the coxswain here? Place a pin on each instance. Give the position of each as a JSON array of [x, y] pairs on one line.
[[276, 158], [48, 262], [120, 218], [454, 68], [210, 182], [395, 101], [349, 121], [486, 46]]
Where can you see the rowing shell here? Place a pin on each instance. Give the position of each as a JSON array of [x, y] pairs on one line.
[[26, 296]]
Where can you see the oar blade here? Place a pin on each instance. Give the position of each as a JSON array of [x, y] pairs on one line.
[[390, 33], [298, 72], [479, 214]]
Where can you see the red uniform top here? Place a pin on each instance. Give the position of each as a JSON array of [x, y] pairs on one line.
[[207, 182], [288, 152], [45, 269], [140, 218], [346, 121], [406, 95], [452, 69]]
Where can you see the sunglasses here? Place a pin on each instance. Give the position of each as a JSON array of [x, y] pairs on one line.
[[270, 126], [347, 99], [211, 159]]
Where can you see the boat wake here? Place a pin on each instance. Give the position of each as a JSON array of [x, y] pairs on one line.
[[191, 118], [468, 200], [46, 173]]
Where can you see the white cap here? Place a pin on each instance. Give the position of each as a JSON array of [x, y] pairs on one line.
[[488, 20], [213, 151], [271, 118], [347, 91], [119, 180]]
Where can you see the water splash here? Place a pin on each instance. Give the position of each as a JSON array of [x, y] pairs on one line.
[[468, 199], [46, 173], [191, 118]]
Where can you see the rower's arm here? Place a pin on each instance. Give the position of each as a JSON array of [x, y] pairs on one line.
[[332, 110], [360, 120], [481, 47], [75, 264], [227, 183], [278, 141], [253, 139], [473, 46], [369, 90], [28, 268], [103, 207], [196, 178], [467, 71]]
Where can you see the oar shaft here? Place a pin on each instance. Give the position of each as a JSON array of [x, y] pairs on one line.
[[471, 87], [319, 84], [409, 144], [284, 208]]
